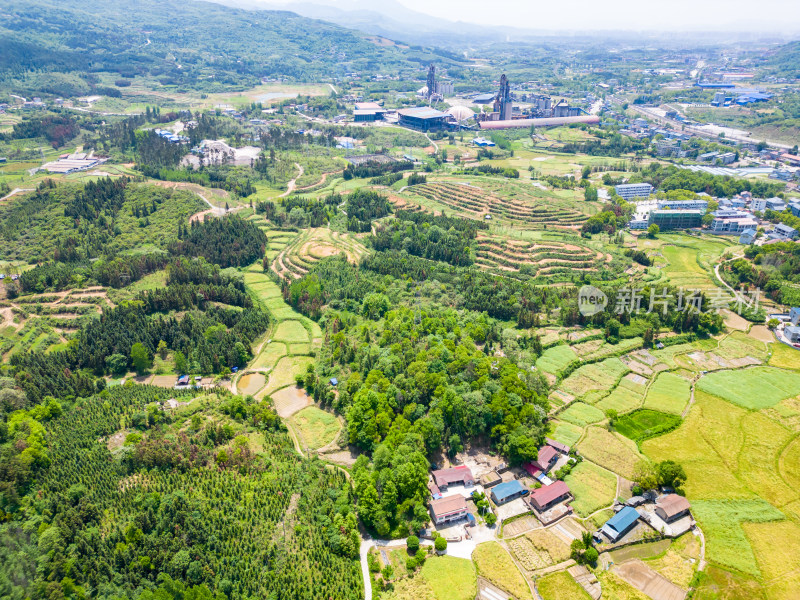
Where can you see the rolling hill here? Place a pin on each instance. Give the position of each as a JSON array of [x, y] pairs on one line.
[[190, 43]]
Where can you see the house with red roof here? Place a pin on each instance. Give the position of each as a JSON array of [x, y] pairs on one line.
[[449, 508], [548, 496], [545, 460], [461, 475]]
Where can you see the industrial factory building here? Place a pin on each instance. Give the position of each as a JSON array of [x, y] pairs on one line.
[[368, 112], [422, 118], [435, 89], [549, 122]]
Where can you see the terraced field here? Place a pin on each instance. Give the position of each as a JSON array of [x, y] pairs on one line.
[[296, 254], [476, 202], [44, 322], [544, 258], [287, 350]]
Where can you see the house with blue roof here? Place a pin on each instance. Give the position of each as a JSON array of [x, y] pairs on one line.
[[508, 491], [748, 236], [620, 524]]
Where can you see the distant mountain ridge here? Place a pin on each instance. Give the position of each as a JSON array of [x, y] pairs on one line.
[[190, 41], [390, 19]]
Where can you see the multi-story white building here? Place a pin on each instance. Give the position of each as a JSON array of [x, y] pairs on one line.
[[730, 222], [626, 191]]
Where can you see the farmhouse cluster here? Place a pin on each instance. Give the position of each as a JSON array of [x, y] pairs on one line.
[[537, 488]]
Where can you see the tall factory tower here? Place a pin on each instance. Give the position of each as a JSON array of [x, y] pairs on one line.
[[431, 81], [502, 102]]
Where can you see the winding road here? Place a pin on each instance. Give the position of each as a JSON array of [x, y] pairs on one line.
[[16, 191], [290, 187], [719, 277]]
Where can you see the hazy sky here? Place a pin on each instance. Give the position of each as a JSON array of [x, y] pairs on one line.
[[620, 14], [639, 15]]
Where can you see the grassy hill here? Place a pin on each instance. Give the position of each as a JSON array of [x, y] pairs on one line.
[[188, 43]]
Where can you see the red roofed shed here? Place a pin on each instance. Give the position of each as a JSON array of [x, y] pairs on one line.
[[547, 456], [548, 496]]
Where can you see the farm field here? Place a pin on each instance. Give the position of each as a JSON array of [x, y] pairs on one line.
[[281, 355], [745, 506], [538, 549], [495, 564], [250, 383], [450, 578], [668, 393], [622, 399], [688, 260], [294, 256], [478, 199], [755, 388], [593, 487], [597, 376], [316, 427], [545, 258], [567, 434], [581, 414], [556, 358], [616, 588], [679, 562], [644, 423], [784, 357], [609, 450], [561, 586]]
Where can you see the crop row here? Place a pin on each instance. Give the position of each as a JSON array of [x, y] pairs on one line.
[[480, 202]]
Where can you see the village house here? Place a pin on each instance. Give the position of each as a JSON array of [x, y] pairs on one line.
[[546, 458], [557, 446], [508, 491], [448, 509], [620, 524], [460, 475], [672, 507], [548, 496]]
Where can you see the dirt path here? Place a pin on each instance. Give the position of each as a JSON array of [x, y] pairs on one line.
[[691, 399], [434, 144], [320, 182], [720, 279], [216, 211], [290, 187], [16, 191]]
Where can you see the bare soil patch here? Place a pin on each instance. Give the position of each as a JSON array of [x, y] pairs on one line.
[[762, 334], [636, 378], [734, 321], [643, 578], [290, 400], [346, 458], [251, 383], [745, 361], [521, 525], [116, 440], [637, 367], [165, 381]]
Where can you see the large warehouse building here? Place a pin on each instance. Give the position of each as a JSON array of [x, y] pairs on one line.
[[422, 118]]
